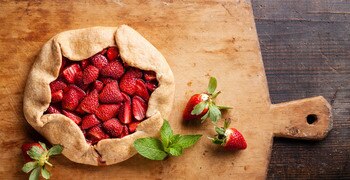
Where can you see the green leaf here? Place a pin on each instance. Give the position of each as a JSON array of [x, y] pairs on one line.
[[212, 85], [175, 138], [220, 131], [29, 166], [150, 148], [43, 145], [214, 113], [186, 141], [45, 174], [205, 117], [175, 150], [166, 133], [35, 152], [56, 149], [224, 107], [198, 109], [35, 174]]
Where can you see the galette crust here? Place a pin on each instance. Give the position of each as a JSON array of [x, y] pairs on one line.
[[78, 45]]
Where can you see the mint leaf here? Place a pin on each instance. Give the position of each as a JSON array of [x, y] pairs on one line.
[[186, 141], [224, 107], [175, 150], [214, 113], [35, 152], [45, 174], [56, 149], [150, 148], [174, 138], [35, 174], [212, 85], [29, 166], [198, 109], [166, 133]]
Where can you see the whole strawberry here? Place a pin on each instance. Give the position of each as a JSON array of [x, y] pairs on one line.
[[230, 138], [202, 106], [37, 157]]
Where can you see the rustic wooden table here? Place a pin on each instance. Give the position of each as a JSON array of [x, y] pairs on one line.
[[306, 51]]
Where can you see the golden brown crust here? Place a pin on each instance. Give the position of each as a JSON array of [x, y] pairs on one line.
[[78, 45]]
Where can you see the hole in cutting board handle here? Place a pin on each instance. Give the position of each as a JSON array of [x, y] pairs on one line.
[[311, 118]]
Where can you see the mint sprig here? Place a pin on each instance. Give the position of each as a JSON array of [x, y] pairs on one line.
[[40, 157], [168, 144], [214, 111]]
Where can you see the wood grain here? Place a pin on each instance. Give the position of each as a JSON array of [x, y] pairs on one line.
[[305, 47]]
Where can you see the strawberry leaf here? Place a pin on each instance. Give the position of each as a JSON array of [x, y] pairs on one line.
[[35, 174], [186, 141], [35, 152], [175, 150], [198, 109], [203, 118], [214, 113], [150, 148], [57, 149], [43, 145], [224, 107], [220, 131], [45, 174], [29, 166], [212, 85], [166, 133]]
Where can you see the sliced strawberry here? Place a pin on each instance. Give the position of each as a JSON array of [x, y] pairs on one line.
[[105, 80], [141, 90], [70, 72], [57, 96], [57, 85], [125, 110], [79, 110], [72, 116], [98, 85], [139, 108], [96, 134], [79, 79], [99, 61], [90, 74], [72, 96], [111, 93], [53, 110], [113, 127], [125, 131], [114, 69], [90, 103], [103, 52], [89, 121], [132, 126], [84, 63], [107, 111], [149, 75], [112, 53], [151, 86], [128, 81]]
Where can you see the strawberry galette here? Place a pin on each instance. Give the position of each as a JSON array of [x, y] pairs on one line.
[[96, 90]]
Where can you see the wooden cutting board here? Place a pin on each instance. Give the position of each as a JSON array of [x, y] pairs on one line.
[[199, 39]]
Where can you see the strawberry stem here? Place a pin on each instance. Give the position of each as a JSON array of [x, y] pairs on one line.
[[215, 94], [47, 162]]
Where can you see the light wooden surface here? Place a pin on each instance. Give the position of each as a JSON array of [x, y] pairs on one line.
[[199, 39]]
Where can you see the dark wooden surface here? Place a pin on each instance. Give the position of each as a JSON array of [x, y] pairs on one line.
[[306, 51]]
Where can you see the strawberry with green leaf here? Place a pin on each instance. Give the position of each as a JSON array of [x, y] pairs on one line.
[[230, 138], [169, 144], [202, 106], [37, 157]]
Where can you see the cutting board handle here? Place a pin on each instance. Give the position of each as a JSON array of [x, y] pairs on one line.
[[309, 118]]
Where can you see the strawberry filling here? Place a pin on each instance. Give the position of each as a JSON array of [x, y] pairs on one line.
[[104, 96]]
